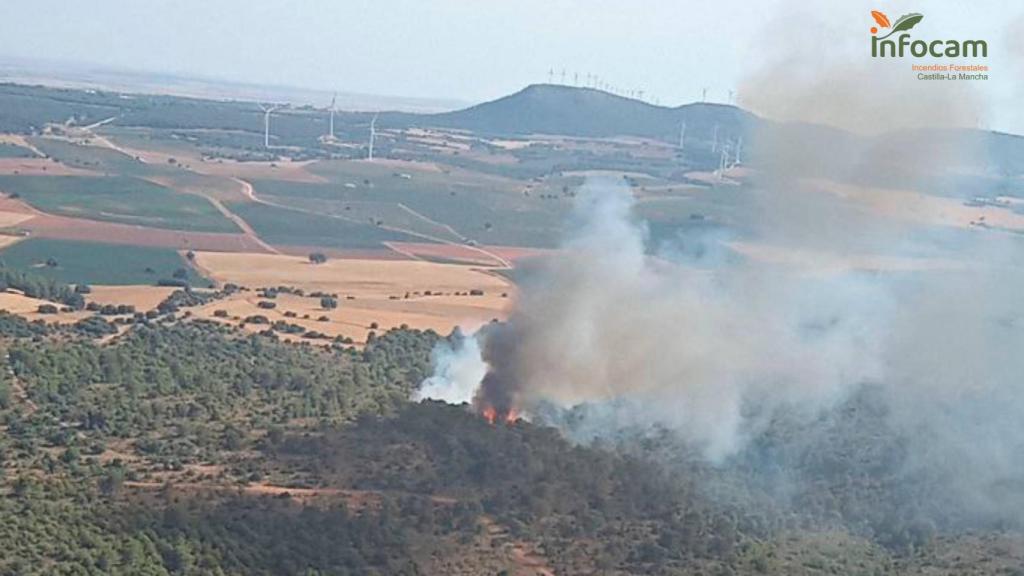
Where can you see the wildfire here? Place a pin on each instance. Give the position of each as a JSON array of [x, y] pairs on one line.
[[492, 415]]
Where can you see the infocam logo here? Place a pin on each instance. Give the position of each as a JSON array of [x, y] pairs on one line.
[[883, 47]]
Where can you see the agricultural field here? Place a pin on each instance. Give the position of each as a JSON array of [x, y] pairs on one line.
[[488, 256], [143, 298], [474, 206], [118, 199], [160, 144], [76, 262], [8, 150], [39, 167], [372, 295], [167, 164], [94, 158], [286, 226], [353, 205], [263, 423], [16, 303]]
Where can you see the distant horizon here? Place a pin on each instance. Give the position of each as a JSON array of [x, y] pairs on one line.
[[453, 51], [50, 78], [386, 102], [86, 75]]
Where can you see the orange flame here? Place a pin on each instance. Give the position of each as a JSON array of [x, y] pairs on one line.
[[490, 414]]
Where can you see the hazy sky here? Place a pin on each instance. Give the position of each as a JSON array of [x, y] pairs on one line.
[[477, 49]]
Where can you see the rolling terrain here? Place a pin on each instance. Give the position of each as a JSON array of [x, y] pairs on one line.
[[209, 345], [470, 186], [486, 186]]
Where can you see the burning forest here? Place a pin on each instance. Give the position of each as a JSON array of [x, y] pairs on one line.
[[880, 334]]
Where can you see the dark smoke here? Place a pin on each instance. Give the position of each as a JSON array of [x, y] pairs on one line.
[[499, 388], [869, 325]]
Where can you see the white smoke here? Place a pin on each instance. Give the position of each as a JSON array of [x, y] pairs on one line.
[[688, 349], [458, 371], [714, 351]]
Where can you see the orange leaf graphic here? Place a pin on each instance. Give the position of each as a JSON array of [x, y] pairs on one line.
[[881, 18]]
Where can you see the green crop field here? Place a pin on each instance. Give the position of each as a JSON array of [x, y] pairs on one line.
[[183, 142], [113, 163], [80, 262], [484, 208], [296, 228], [89, 157], [118, 199], [352, 204]]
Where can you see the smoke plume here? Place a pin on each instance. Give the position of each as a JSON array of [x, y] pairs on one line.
[[457, 371], [606, 321], [922, 309]]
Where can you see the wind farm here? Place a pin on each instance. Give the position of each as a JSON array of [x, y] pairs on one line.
[[515, 289]]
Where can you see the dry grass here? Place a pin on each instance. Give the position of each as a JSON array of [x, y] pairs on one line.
[[142, 297], [9, 219], [389, 293], [364, 278], [22, 305]]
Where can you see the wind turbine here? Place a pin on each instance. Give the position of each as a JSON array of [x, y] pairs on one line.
[[682, 136], [266, 122], [333, 101], [373, 134]]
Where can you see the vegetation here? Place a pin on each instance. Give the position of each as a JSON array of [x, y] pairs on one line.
[[85, 263], [192, 448], [293, 227], [24, 109], [156, 444], [119, 199], [40, 286], [432, 203]]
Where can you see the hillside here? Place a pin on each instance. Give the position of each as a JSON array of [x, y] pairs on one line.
[[586, 112], [183, 448]]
